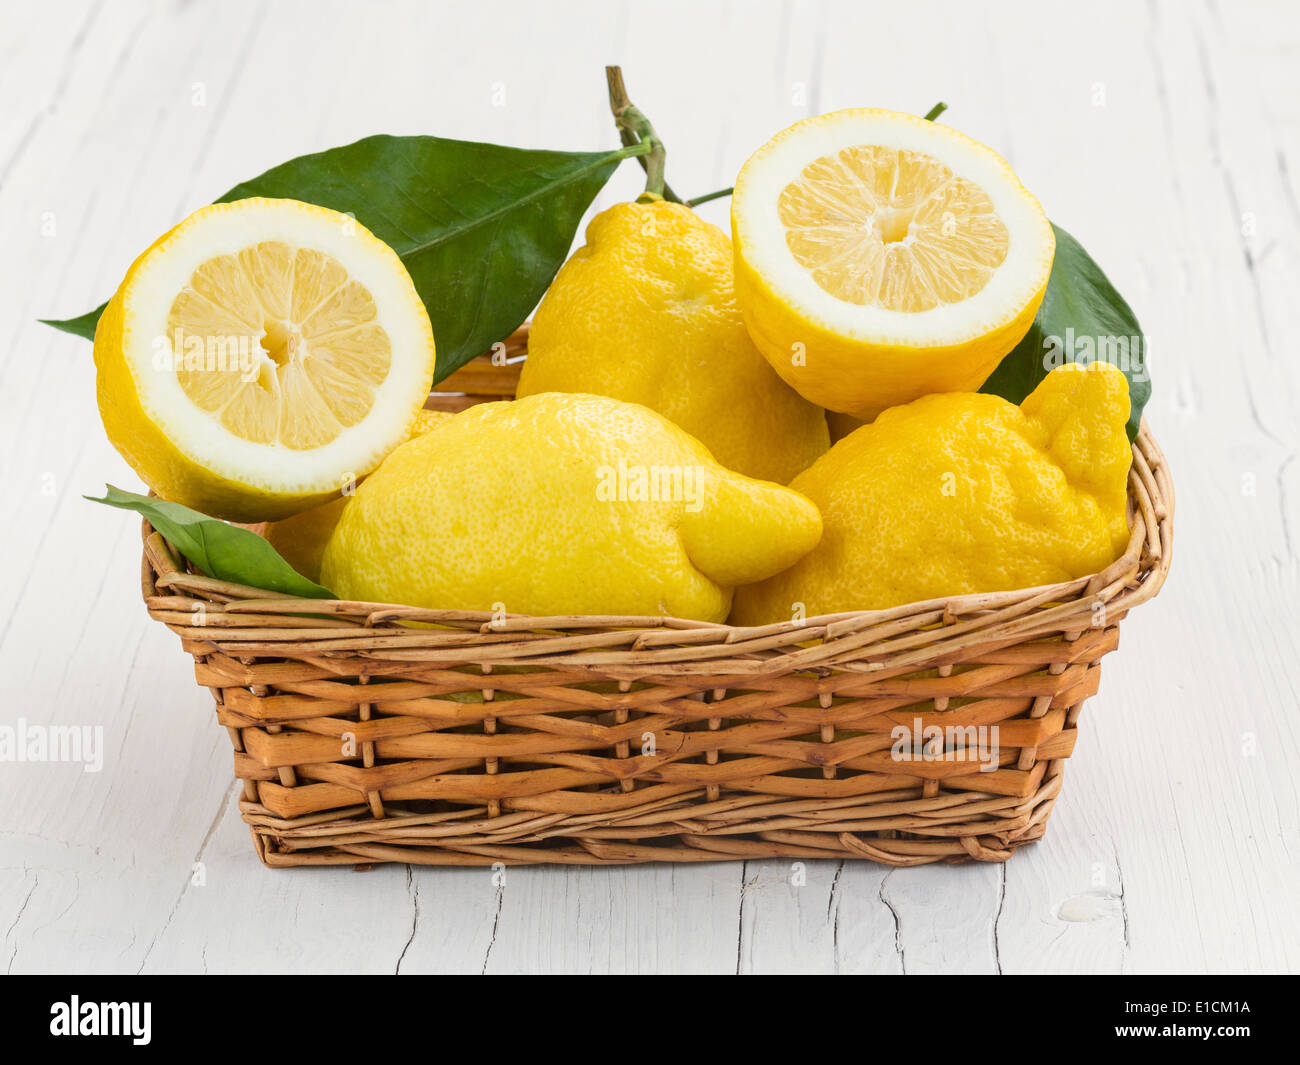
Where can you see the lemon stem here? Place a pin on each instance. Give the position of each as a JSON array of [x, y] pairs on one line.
[[936, 111], [696, 201], [635, 129]]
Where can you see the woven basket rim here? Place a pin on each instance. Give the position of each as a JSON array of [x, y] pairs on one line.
[[903, 636]]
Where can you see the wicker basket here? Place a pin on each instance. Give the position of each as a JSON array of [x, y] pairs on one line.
[[521, 740]]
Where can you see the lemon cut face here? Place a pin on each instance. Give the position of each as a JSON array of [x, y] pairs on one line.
[[261, 356], [892, 228], [881, 257], [320, 352]]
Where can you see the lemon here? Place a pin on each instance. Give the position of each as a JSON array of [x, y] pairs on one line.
[[259, 356], [561, 504], [301, 539], [961, 492], [881, 257], [646, 312], [426, 421], [841, 425]]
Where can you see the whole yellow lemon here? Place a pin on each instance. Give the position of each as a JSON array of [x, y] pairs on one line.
[[959, 493], [646, 312], [563, 504]]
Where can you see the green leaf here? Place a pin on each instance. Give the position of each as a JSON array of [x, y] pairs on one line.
[[1082, 318], [482, 228], [82, 327], [226, 552]]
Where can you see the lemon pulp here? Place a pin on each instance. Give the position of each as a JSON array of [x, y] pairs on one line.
[[313, 330], [892, 228]]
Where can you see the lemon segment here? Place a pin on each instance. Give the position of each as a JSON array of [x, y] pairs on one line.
[[881, 257], [261, 355]]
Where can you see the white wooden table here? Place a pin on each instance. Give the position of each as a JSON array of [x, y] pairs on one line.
[[1166, 137]]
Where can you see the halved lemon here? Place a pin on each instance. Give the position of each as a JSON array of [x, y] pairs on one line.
[[881, 257], [260, 356]]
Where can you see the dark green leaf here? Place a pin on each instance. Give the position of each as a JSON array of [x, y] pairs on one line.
[[218, 549], [82, 327], [1082, 319], [482, 228]]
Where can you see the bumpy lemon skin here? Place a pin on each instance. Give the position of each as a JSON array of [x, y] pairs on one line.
[[961, 493], [301, 538], [859, 378], [168, 471], [646, 312], [503, 507]]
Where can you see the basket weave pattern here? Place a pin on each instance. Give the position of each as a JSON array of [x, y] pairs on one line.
[[613, 740]]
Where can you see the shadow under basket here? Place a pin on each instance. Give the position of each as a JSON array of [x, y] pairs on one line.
[[614, 740]]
